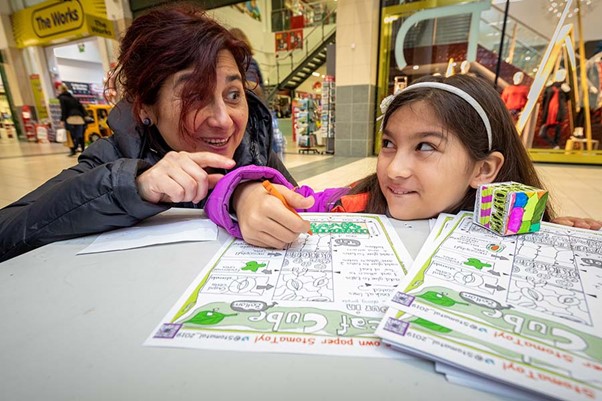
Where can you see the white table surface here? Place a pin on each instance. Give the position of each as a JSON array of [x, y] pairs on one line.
[[72, 328]]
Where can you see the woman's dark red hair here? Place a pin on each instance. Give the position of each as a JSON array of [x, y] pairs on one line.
[[170, 39]]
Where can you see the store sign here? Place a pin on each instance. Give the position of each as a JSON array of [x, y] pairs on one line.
[[55, 20], [58, 18], [79, 88]]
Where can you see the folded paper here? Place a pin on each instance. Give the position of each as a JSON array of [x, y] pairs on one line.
[[509, 208]]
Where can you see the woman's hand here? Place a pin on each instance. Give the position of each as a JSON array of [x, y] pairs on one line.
[[181, 177], [264, 220], [579, 222]]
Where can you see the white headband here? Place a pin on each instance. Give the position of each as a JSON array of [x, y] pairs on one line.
[[456, 91]]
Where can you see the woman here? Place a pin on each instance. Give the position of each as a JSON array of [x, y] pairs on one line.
[[72, 115], [176, 133], [253, 73]]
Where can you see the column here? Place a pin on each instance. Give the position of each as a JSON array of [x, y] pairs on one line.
[[356, 70]]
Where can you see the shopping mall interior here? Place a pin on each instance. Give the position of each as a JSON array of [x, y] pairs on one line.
[[324, 81], [478, 312]]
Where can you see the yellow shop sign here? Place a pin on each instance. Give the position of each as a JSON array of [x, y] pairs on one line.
[[58, 20]]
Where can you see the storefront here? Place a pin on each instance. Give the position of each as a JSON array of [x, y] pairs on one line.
[[63, 42], [443, 37]]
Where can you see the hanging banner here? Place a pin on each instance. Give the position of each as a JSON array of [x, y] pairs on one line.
[[281, 41], [289, 40], [296, 39], [55, 20], [38, 96]]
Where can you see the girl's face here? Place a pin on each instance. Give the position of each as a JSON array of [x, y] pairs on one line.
[[219, 126], [422, 169]]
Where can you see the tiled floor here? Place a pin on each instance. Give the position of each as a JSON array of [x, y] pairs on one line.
[[576, 190]]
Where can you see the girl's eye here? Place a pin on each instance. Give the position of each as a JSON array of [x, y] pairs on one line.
[[387, 143], [425, 147]]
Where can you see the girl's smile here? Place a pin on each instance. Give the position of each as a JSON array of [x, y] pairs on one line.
[[422, 168]]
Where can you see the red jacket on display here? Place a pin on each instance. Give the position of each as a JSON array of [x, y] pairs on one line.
[[515, 96], [554, 109]]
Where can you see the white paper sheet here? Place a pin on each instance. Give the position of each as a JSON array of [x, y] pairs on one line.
[[525, 310], [175, 225], [323, 294], [463, 378]]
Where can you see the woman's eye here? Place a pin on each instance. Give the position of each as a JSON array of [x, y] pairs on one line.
[[425, 147], [234, 95]]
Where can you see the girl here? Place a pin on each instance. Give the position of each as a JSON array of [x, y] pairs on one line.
[[441, 139]]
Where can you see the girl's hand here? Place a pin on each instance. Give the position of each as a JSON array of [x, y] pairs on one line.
[[578, 222], [264, 220], [181, 177]]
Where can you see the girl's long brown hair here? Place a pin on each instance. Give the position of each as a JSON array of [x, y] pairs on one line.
[[462, 120]]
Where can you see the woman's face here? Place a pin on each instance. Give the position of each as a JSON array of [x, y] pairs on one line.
[[422, 168], [219, 126]]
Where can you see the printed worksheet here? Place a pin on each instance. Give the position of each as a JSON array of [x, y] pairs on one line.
[[324, 294], [523, 309]]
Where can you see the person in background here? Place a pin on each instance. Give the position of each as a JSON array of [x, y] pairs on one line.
[[184, 122], [73, 117], [441, 139], [253, 73]]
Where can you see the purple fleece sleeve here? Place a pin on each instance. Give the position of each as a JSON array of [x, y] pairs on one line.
[[217, 206], [324, 200]]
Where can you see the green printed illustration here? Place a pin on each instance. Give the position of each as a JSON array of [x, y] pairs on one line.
[[253, 266], [284, 320], [519, 323], [439, 299], [338, 228], [472, 343], [476, 263], [208, 317], [431, 326], [467, 340]]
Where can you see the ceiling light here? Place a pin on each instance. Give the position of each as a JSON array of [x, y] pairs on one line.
[[555, 7]]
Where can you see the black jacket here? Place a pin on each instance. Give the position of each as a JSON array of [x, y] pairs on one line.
[[99, 193], [70, 106], [563, 98]]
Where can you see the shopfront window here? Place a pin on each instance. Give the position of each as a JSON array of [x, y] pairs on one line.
[[423, 38]]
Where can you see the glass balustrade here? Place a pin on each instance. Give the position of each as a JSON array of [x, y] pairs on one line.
[[307, 28], [523, 47]]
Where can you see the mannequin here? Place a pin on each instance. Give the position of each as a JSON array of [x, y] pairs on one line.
[[515, 96], [465, 68], [555, 99]]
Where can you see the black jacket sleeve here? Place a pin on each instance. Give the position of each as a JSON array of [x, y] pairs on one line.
[[94, 196], [275, 162], [63, 108]]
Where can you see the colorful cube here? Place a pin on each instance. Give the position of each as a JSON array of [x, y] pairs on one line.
[[509, 208]]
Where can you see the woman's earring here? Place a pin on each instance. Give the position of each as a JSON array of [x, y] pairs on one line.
[[146, 122]]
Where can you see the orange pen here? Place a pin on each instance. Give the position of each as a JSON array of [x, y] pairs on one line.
[[273, 191]]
